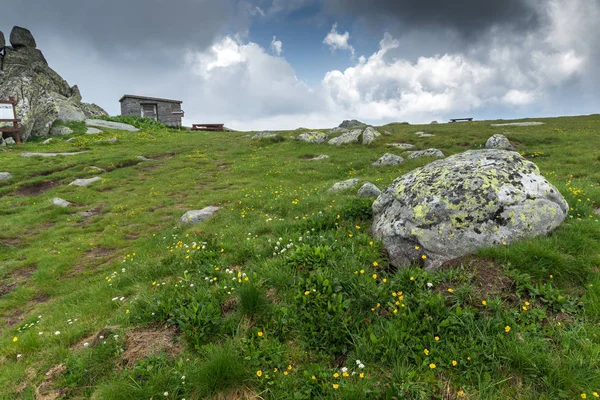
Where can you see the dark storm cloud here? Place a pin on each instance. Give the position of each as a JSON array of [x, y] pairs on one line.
[[467, 17], [110, 25]]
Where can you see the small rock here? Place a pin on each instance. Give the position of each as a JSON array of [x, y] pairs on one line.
[[100, 123], [61, 131], [433, 122], [519, 124], [47, 141], [111, 141], [142, 158], [369, 135], [388, 159], [196, 216], [93, 131], [426, 153], [499, 142], [69, 140], [344, 185], [57, 201], [9, 141], [368, 190], [264, 135], [318, 158], [93, 168], [313, 137], [51, 154], [86, 214], [401, 146], [4, 176], [345, 138], [424, 134], [85, 182]]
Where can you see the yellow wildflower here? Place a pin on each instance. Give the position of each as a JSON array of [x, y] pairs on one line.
[[450, 290], [15, 339], [507, 328], [259, 373], [375, 264], [335, 386], [336, 375], [426, 352], [432, 366], [454, 363], [260, 334]]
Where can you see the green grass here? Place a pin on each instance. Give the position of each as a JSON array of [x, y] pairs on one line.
[[285, 287]]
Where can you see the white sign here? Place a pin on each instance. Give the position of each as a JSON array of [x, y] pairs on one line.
[[6, 111]]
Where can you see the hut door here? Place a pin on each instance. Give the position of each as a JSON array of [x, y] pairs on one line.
[[149, 111]]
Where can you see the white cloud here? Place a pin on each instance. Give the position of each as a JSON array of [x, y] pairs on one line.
[[516, 97], [276, 46], [337, 41]]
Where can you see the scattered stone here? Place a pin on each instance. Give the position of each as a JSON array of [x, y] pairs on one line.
[[402, 146], [433, 122], [4, 176], [369, 135], [471, 200], [57, 201], [368, 190], [51, 154], [344, 185], [93, 168], [86, 214], [85, 182], [426, 153], [520, 124], [9, 141], [61, 131], [142, 158], [424, 134], [345, 138], [350, 124], [318, 158], [499, 142], [47, 141], [93, 131], [313, 137], [196, 216], [111, 141], [100, 123], [21, 37], [69, 140], [264, 135], [597, 210], [388, 159]]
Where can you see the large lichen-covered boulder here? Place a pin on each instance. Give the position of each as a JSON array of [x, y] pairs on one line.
[[369, 135], [42, 95], [313, 137], [346, 138], [471, 200]]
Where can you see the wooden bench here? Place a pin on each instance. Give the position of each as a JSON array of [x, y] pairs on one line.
[[461, 119], [7, 110], [208, 127]]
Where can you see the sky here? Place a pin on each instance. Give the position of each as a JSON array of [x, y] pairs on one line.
[[284, 64]]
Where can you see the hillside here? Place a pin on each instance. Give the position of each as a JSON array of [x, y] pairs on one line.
[[283, 290]]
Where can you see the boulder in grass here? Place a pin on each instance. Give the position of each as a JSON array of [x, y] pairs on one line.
[[318, 158], [369, 135], [100, 123], [499, 142], [426, 153], [344, 185], [388, 159], [57, 201], [264, 135], [92, 131], [402, 146], [85, 182], [368, 190], [313, 137], [472, 200], [346, 138], [194, 217], [4, 176]]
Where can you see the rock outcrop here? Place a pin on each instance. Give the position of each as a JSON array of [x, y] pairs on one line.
[[344, 185], [41, 95], [352, 124], [388, 159], [426, 153], [313, 137], [468, 201], [368, 190], [194, 217]]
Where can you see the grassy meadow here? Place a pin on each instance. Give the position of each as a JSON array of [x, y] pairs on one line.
[[283, 294]]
